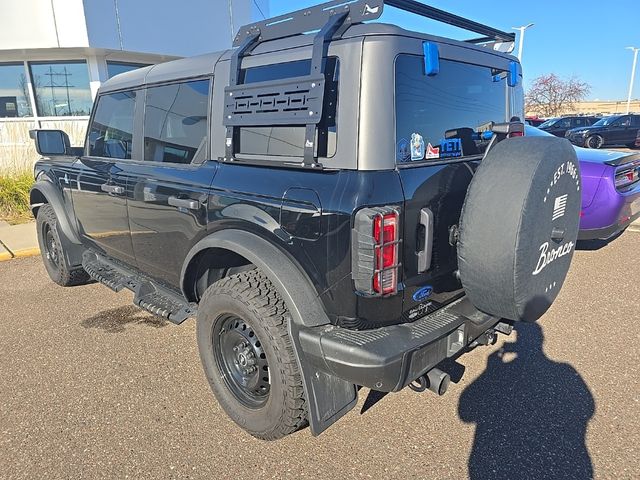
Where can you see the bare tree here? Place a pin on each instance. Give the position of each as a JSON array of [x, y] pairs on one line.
[[550, 95]]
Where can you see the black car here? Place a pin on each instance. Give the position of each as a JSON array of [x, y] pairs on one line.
[[325, 233], [559, 126], [613, 130]]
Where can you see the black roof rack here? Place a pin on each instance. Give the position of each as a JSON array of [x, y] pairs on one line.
[[314, 18], [299, 101]]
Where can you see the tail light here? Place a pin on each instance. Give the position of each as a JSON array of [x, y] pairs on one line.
[[375, 250], [627, 176]]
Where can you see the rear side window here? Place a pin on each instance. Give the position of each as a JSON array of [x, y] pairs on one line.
[[635, 121], [441, 117], [111, 131], [175, 122], [288, 140]]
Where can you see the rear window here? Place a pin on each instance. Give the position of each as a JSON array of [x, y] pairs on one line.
[[440, 117], [288, 140], [175, 122]]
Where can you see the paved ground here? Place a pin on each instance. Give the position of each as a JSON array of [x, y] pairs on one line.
[[93, 388]]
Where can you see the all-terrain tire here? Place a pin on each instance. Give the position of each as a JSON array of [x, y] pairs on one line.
[[52, 251], [252, 299]]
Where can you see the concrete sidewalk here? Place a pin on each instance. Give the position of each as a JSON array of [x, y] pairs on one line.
[[18, 241]]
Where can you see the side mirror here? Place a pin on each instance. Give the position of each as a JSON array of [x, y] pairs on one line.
[[50, 143]]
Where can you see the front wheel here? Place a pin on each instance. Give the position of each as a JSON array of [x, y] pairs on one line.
[[248, 356], [594, 141], [52, 251]]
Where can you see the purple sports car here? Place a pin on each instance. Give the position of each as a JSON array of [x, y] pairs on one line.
[[610, 190]]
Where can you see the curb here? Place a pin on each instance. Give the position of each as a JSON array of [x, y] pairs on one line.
[[23, 253]]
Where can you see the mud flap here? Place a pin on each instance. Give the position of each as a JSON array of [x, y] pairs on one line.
[[329, 398]]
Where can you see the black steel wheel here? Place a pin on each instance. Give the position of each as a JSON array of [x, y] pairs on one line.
[[53, 253], [595, 141], [248, 356], [241, 360]]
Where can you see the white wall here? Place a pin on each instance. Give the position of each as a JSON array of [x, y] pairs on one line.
[[182, 28], [169, 27], [42, 24]]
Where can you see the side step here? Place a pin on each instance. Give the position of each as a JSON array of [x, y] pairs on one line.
[[148, 295]]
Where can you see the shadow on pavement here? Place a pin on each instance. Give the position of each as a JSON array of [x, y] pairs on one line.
[[115, 320], [531, 414]]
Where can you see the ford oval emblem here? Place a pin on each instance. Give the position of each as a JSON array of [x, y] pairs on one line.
[[422, 293]]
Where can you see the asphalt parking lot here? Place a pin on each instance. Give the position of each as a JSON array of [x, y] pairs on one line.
[[91, 387]]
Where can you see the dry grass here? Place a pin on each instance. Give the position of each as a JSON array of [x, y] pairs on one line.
[[14, 196], [17, 157]]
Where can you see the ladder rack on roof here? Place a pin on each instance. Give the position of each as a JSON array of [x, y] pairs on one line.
[[299, 101]]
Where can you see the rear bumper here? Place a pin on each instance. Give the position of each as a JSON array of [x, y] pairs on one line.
[[606, 232], [389, 358]]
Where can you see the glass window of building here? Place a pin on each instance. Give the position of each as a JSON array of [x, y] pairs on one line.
[[61, 88], [14, 91], [116, 68]]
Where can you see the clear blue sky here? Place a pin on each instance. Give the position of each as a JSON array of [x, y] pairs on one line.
[[582, 38]]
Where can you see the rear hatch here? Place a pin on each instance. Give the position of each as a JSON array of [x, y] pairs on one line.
[[439, 119]]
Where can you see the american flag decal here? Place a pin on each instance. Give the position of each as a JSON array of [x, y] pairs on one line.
[[559, 206]]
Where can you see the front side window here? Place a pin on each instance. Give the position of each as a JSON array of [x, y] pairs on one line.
[[175, 122], [288, 141], [61, 88], [442, 117], [116, 68], [14, 91], [111, 131], [635, 121]]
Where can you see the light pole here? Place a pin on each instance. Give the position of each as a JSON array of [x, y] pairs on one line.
[[633, 75], [521, 39]]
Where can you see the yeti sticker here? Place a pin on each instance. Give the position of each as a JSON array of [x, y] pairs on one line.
[[417, 147]]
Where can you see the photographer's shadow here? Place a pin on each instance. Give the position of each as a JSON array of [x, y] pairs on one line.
[[531, 414]]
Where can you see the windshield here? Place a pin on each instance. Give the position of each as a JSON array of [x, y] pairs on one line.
[[603, 122], [443, 116], [549, 123]]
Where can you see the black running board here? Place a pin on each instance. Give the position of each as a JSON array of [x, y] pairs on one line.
[[148, 295]]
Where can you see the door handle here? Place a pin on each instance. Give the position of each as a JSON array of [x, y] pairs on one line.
[[187, 203], [115, 189], [424, 255]]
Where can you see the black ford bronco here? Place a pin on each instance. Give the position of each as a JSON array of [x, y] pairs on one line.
[[338, 203]]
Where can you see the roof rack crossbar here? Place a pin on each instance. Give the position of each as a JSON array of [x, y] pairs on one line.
[[449, 18]]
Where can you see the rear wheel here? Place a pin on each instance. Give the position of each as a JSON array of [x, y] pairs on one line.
[[632, 145], [52, 251], [248, 357], [594, 141]]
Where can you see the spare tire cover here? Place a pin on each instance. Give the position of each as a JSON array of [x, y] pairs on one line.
[[519, 226]]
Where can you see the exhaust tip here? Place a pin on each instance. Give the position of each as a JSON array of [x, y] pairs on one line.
[[438, 381]]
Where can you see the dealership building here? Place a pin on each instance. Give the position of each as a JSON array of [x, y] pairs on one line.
[[54, 54]]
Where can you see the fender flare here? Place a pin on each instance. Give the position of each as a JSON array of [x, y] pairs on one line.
[[328, 397], [54, 198], [291, 282]]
